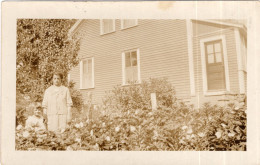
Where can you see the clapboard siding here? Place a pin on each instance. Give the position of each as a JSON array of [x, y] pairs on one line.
[[210, 31], [163, 53], [74, 76]]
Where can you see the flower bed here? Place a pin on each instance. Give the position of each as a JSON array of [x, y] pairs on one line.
[[127, 122], [211, 128]]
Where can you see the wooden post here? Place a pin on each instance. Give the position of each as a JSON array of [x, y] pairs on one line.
[[153, 100]]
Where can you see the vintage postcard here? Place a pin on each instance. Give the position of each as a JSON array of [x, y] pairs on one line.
[[130, 83]]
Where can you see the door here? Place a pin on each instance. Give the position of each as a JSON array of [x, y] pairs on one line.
[[215, 65]]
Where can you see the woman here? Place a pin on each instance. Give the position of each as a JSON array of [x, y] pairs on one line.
[[57, 104]]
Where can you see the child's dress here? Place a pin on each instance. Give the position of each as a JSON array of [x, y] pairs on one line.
[[35, 123]]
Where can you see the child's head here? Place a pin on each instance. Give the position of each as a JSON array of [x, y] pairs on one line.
[[38, 109]]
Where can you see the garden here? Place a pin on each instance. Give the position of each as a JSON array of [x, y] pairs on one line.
[[126, 121]]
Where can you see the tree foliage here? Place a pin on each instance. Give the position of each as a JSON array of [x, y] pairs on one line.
[[43, 46]]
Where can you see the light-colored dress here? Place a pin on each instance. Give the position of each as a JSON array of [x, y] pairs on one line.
[[35, 123], [57, 100]]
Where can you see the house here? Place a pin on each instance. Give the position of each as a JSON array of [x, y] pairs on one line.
[[205, 60]]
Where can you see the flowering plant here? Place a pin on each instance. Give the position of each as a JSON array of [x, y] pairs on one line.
[[175, 127]]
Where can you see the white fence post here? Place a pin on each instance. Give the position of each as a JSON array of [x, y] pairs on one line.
[[153, 100]]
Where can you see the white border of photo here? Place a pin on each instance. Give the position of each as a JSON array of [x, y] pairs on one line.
[[11, 11]]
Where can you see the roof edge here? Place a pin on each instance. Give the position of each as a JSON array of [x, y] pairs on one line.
[[74, 27], [223, 23]]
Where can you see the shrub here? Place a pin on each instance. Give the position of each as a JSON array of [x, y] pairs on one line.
[[212, 128], [216, 128], [76, 96], [22, 101], [133, 125], [137, 96]]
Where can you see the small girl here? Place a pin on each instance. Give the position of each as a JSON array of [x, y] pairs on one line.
[[36, 121]]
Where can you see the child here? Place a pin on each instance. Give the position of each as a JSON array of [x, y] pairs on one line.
[[36, 121]]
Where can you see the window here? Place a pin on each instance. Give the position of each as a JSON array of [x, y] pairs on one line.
[[127, 23], [107, 26], [131, 66], [87, 73], [214, 65]]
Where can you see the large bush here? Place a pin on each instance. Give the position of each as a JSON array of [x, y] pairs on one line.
[[173, 126], [224, 129], [138, 96]]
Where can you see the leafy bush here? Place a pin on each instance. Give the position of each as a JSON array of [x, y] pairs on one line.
[[145, 130], [173, 126], [21, 112], [216, 128], [76, 96], [43, 47], [137, 96]]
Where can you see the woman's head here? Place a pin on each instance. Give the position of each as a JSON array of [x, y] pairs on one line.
[[57, 78]]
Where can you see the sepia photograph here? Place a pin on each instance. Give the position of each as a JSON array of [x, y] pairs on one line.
[[131, 85], [134, 83]]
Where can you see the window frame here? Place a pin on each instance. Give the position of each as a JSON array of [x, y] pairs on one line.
[[81, 72], [102, 28], [122, 24], [203, 42], [124, 83]]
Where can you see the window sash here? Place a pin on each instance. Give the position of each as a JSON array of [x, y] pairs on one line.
[[131, 67], [87, 73], [127, 23], [107, 26]]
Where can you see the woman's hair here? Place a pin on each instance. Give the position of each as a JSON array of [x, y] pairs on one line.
[[58, 74]]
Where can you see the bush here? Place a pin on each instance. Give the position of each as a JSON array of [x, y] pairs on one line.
[[76, 96], [22, 102], [138, 96], [133, 125], [216, 128], [211, 128]]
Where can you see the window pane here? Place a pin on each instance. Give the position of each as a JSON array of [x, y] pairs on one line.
[[128, 74], [87, 74], [127, 59], [218, 57], [131, 69], [209, 49], [84, 76], [217, 47], [134, 58], [129, 23], [135, 74], [107, 25], [211, 58], [89, 78]]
